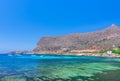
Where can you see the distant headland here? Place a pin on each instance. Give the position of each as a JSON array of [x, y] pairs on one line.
[[76, 43]]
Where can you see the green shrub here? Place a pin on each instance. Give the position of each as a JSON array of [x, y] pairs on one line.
[[102, 51], [116, 51]]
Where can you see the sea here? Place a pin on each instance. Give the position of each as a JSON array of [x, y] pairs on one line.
[[49, 67]]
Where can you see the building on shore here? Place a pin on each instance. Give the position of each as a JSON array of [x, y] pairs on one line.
[[109, 52]]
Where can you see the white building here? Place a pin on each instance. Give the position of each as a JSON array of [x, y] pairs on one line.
[[109, 52]]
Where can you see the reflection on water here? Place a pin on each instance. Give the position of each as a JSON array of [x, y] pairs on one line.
[[58, 68]]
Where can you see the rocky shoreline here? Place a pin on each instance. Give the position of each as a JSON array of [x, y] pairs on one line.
[[76, 54], [66, 53], [101, 55], [93, 54]]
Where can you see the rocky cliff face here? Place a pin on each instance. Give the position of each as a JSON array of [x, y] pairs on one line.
[[99, 40]]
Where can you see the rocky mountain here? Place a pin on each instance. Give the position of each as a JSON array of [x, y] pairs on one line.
[[99, 40]]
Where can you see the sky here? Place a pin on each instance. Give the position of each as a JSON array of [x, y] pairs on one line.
[[24, 22]]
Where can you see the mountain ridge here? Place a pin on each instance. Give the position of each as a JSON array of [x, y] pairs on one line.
[[98, 40]]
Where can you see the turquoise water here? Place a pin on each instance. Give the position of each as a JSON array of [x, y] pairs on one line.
[[58, 68]]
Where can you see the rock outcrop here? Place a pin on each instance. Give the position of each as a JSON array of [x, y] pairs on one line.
[[99, 40]]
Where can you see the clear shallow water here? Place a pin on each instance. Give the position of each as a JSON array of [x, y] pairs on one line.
[[58, 68]]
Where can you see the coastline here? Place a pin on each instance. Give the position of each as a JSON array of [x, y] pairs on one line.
[[94, 54], [75, 54], [100, 55]]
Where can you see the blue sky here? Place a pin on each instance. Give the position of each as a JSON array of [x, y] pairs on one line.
[[24, 22]]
